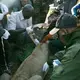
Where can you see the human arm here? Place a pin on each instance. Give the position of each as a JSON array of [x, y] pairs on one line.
[[16, 32], [29, 22], [69, 70]]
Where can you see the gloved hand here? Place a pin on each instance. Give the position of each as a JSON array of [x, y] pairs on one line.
[[45, 67], [6, 34], [36, 41], [56, 62], [29, 29]]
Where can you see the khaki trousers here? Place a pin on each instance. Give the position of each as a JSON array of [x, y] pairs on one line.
[[33, 64]]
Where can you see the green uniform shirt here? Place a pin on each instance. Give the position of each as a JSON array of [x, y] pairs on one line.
[[70, 68]]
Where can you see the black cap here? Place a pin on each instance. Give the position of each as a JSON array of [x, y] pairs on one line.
[[28, 11], [66, 21]]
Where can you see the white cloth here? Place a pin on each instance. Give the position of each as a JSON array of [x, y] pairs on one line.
[[17, 21], [4, 10], [6, 34], [45, 67]]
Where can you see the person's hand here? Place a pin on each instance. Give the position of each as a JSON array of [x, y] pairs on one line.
[[56, 62], [45, 67], [6, 34], [29, 29], [36, 41], [45, 25]]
